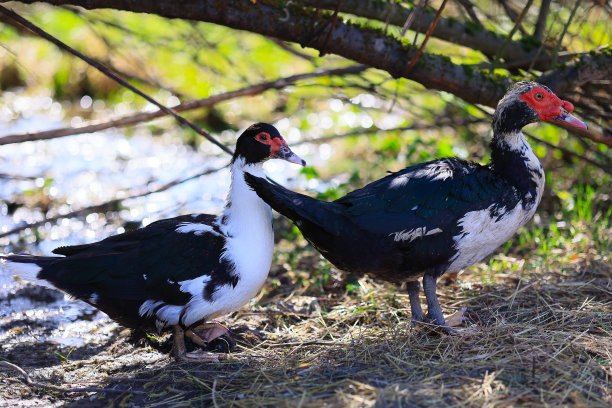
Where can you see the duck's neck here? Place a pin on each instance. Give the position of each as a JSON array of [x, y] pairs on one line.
[[513, 159], [244, 210]]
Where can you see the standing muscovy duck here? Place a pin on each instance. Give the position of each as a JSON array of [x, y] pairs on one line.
[[179, 272], [435, 217]]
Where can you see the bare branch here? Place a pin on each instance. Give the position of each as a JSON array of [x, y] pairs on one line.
[[375, 131], [185, 106], [517, 24], [569, 20]]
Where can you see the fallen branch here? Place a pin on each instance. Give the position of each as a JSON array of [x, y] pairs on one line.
[[35, 384], [185, 106]]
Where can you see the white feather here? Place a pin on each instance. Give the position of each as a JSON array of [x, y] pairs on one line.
[[482, 234], [411, 235], [249, 248], [196, 228]]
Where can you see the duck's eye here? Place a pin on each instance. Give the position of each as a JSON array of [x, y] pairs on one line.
[[263, 137], [539, 96]]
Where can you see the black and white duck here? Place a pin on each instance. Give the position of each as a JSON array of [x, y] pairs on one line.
[[176, 273], [435, 217]]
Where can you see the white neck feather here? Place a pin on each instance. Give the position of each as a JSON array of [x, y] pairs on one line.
[[244, 209]]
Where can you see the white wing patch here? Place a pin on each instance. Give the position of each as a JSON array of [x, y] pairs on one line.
[[196, 228], [435, 171], [411, 235], [194, 286], [482, 233], [399, 182], [147, 307], [439, 170]]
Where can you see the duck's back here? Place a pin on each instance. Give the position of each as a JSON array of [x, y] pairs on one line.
[[402, 225]]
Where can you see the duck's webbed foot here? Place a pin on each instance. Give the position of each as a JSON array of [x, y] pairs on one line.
[[202, 339], [207, 332], [434, 311]]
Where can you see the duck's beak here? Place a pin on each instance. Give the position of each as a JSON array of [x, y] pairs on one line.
[[285, 153], [566, 118]]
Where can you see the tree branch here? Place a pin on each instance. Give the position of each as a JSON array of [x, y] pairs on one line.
[[469, 35], [367, 46], [187, 105]]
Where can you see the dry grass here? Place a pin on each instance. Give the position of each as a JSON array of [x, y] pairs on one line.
[[536, 336]]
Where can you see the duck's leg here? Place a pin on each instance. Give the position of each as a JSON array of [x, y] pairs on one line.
[[434, 311], [178, 342], [415, 303]]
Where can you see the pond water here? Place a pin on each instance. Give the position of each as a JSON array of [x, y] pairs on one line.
[[89, 169]]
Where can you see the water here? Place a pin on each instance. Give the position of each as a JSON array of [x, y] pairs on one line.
[[90, 169]]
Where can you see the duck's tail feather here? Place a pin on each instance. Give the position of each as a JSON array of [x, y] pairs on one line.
[[27, 267]]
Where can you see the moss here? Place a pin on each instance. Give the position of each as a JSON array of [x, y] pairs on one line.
[[472, 28], [451, 21], [469, 70], [530, 43]]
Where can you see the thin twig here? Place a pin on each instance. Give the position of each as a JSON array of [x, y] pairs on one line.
[[375, 130], [427, 35], [569, 20], [603, 167], [103, 206], [129, 120], [412, 17], [509, 37], [112, 75], [469, 8], [331, 28], [35, 384]]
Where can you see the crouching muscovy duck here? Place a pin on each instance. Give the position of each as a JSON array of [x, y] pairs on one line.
[[435, 217], [179, 272]]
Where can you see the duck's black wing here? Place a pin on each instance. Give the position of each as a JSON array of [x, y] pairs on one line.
[[431, 195], [403, 222], [120, 272]]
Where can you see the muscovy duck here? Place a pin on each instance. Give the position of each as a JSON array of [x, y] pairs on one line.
[[179, 272], [435, 217]]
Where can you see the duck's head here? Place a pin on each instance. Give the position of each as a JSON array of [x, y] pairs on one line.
[[261, 142], [527, 102]]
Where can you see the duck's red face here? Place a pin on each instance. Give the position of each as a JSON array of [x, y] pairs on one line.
[[261, 142], [551, 108], [279, 149]]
